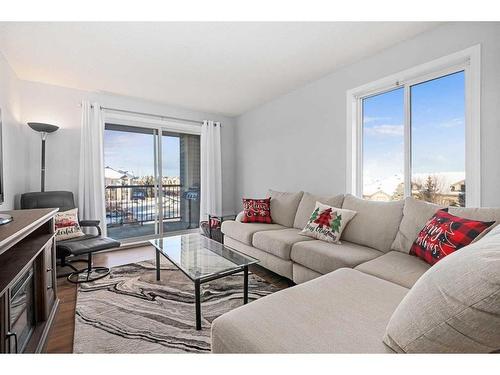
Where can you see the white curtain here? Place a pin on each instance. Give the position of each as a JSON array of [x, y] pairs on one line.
[[91, 204], [211, 170]]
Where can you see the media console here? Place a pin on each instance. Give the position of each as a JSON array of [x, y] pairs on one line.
[[28, 295]]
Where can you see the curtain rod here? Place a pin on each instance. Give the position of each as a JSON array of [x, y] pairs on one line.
[[151, 115]]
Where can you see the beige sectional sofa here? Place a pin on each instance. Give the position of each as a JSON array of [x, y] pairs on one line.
[[349, 293], [281, 248]]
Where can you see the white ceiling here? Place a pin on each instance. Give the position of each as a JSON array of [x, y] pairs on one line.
[[226, 68]]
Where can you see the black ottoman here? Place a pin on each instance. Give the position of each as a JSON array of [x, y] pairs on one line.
[[87, 246]]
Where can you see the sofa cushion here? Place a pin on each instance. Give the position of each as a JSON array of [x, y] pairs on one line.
[[284, 207], [474, 213], [244, 232], [415, 214], [345, 311], [454, 306], [307, 204], [396, 267], [278, 242], [278, 265], [324, 257], [482, 214], [375, 224]]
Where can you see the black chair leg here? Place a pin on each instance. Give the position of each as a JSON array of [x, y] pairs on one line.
[[64, 262], [88, 275]]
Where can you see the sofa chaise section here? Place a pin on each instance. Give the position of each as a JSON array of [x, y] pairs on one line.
[[345, 311]]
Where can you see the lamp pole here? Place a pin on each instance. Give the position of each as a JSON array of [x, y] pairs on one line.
[[44, 130], [42, 182]]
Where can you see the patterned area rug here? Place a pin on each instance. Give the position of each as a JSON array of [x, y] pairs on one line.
[[130, 312]]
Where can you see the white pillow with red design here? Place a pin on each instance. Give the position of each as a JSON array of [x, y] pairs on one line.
[[67, 226], [327, 223]]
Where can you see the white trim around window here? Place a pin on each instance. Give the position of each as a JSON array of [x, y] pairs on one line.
[[150, 122], [468, 60]]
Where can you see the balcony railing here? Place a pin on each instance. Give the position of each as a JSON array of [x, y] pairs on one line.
[[137, 204]]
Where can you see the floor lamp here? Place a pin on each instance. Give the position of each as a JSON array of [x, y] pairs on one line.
[[4, 218], [44, 129]]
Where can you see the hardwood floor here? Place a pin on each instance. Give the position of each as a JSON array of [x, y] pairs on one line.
[[60, 339]]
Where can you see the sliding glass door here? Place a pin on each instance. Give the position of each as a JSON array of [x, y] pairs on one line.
[[180, 166], [152, 181]]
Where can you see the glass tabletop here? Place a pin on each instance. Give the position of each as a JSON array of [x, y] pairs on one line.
[[200, 257]]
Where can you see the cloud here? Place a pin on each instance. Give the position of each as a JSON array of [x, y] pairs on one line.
[[368, 119], [385, 130], [453, 123]]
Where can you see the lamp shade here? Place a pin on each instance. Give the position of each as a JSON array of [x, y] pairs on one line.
[[41, 127]]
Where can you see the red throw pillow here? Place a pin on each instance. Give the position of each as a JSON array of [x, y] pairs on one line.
[[445, 233], [257, 211]]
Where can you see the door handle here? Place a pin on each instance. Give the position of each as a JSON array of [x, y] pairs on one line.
[[8, 336]]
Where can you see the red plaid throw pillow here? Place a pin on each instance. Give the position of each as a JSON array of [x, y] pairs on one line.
[[257, 211], [445, 233]]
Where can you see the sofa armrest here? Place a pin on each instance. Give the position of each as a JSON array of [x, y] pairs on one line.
[[91, 223]]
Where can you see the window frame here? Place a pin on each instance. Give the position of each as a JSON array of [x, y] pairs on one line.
[[467, 60]]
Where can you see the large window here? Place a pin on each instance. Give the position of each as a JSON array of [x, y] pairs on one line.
[[418, 136]]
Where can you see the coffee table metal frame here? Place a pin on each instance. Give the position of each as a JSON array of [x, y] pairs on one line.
[[205, 279]]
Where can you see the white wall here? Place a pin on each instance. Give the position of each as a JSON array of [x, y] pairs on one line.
[[60, 106], [14, 140], [298, 141]]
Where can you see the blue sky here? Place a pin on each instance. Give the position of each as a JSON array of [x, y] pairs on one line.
[[437, 124], [134, 152]]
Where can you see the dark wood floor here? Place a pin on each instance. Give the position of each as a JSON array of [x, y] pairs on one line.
[[60, 339]]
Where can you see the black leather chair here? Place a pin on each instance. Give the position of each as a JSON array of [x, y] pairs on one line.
[[85, 245]]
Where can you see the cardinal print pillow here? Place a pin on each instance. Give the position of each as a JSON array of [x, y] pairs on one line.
[[445, 233], [327, 223]]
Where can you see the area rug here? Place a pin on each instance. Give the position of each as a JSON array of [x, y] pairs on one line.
[[130, 312]]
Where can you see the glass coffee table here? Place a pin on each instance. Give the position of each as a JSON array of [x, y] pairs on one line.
[[202, 260]]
